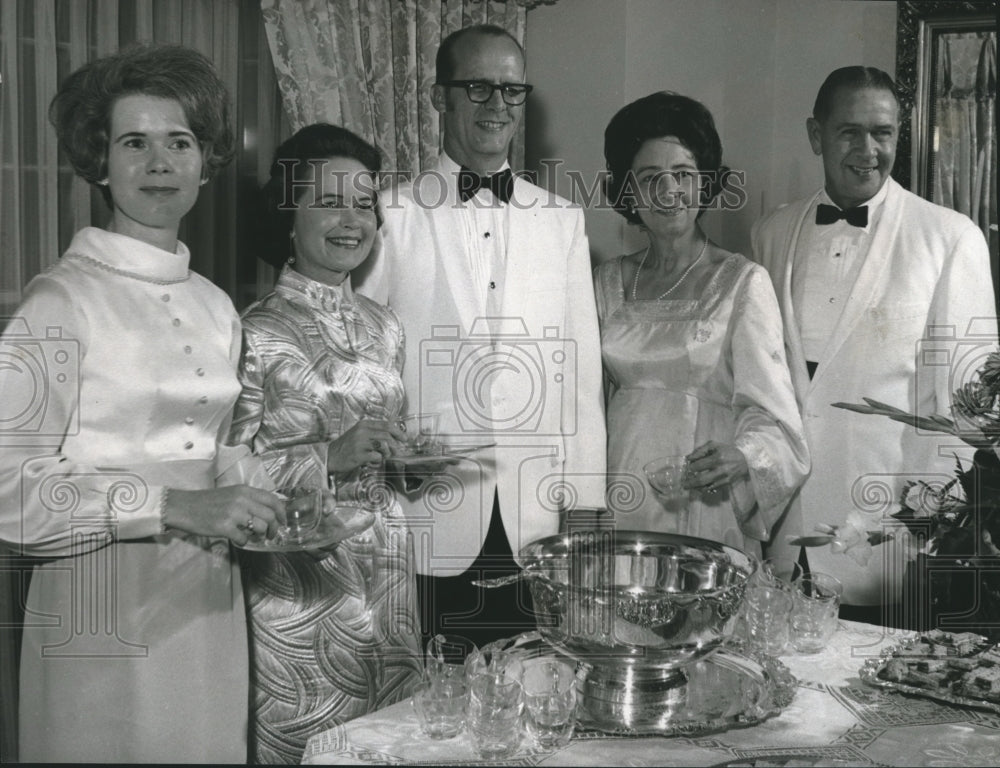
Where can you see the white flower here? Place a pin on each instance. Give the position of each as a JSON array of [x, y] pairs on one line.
[[852, 539], [924, 500], [827, 529]]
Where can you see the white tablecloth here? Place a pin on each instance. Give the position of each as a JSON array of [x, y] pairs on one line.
[[834, 719]]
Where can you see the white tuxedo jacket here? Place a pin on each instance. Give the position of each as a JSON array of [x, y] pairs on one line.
[[536, 392], [920, 319]]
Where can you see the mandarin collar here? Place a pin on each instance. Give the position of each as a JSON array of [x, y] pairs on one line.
[[298, 288], [130, 257]]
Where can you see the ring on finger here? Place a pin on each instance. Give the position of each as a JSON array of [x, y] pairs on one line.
[[249, 525]]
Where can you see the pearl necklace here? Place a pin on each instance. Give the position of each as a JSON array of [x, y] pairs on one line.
[[635, 281], [126, 273]]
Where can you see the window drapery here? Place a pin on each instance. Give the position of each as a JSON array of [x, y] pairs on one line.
[[42, 203], [368, 65], [964, 175]]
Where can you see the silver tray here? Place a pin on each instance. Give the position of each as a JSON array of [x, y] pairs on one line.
[[734, 687], [869, 673]]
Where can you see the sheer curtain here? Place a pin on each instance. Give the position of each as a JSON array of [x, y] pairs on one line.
[[368, 65], [42, 203], [964, 175]]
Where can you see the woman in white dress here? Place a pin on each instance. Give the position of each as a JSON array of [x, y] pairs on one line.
[[691, 340], [115, 398]]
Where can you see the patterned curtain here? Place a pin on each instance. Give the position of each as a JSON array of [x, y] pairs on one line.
[[368, 65], [964, 175]]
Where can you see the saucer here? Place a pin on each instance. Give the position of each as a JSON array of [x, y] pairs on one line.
[[345, 521], [440, 452]]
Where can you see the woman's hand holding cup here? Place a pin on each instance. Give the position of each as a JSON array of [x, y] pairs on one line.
[[369, 441], [713, 465], [235, 512]]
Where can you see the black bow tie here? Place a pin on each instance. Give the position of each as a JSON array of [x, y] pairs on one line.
[[500, 184], [828, 214]]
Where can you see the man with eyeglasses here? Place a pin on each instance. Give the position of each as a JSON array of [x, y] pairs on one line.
[[491, 277]]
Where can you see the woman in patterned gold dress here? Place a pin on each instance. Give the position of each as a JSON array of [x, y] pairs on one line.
[[334, 633]]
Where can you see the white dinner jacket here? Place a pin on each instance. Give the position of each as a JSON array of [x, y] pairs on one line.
[[537, 395], [920, 319]]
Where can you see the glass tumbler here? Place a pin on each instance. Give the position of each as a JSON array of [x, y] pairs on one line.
[[549, 687], [765, 611], [447, 655], [495, 708], [815, 605], [441, 707]]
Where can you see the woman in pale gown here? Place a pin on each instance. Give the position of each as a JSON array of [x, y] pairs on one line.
[[691, 340], [112, 458], [334, 633]]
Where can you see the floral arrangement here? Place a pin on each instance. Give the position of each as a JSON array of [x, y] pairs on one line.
[[959, 519]]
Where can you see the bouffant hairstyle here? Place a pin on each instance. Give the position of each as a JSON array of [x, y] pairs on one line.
[[445, 63], [652, 117], [293, 166], [852, 78], [81, 110]]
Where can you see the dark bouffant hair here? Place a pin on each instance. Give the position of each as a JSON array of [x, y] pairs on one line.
[[81, 110], [652, 117], [852, 78], [445, 63], [289, 169]]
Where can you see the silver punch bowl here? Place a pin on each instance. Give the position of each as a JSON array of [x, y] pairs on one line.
[[640, 612], [635, 596]]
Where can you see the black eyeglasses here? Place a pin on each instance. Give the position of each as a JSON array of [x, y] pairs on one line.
[[481, 91]]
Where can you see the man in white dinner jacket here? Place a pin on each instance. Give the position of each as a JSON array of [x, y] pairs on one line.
[[493, 286], [883, 295]]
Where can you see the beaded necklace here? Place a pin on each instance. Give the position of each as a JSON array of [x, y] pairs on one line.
[[635, 281]]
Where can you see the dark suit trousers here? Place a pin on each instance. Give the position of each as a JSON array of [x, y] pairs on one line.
[[453, 605]]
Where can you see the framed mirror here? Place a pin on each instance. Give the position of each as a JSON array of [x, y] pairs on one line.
[[946, 72]]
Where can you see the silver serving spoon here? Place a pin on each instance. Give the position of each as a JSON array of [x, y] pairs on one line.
[[503, 581]]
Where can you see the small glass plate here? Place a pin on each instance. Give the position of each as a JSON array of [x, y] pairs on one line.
[[435, 456], [440, 452], [465, 449], [331, 529], [871, 673]]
